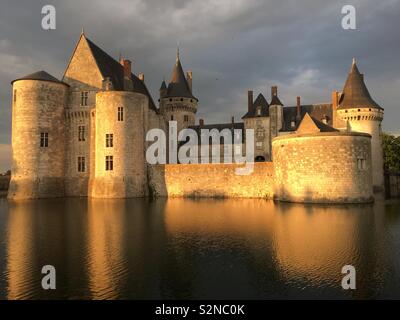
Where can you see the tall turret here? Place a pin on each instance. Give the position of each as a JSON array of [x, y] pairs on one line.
[[120, 120], [363, 114], [38, 137], [177, 102]]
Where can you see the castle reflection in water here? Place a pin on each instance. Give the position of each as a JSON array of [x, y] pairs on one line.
[[182, 248]]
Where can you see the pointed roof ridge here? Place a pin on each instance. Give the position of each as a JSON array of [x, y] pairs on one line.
[[163, 85], [260, 101], [178, 86], [275, 101], [41, 76], [355, 93], [111, 68], [310, 124]]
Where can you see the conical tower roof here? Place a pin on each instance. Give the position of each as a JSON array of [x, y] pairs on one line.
[[40, 75], [163, 85], [178, 87], [355, 93]]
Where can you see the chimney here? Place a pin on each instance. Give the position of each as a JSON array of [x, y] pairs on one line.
[[298, 109], [335, 104], [249, 100], [127, 64], [189, 78], [201, 122], [274, 91], [141, 77]]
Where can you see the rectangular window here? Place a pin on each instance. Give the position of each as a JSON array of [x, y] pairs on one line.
[[361, 164], [84, 98], [109, 140], [81, 164], [44, 139], [109, 163], [81, 133], [15, 95], [120, 113], [259, 145], [186, 118]]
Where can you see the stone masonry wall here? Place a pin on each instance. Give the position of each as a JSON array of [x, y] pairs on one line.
[[323, 167], [211, 180]]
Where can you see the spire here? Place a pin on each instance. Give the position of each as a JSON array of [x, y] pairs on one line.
[[163, 85], [178, 86], [355, 93]]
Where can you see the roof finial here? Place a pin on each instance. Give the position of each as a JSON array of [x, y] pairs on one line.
[[177, 51], [83, 30], [354, 61]]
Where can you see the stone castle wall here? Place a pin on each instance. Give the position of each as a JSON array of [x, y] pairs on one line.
[[38, 107], [369, 121], [128, 177], [323, 167], [211, 180]]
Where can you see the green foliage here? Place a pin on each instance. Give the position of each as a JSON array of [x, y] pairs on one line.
[[391, 152]]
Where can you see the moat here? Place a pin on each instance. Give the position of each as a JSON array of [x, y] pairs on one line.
[[198, 249]]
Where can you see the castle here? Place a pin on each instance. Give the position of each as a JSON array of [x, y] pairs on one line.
[[85, 136]]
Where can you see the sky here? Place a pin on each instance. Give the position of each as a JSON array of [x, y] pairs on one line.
[[230, 45]]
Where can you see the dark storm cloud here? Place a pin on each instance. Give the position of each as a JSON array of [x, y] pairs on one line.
[[231, 46]]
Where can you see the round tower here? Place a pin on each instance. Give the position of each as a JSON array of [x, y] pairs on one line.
[[38, 140], [177, 102], [363, 114], [120, 164], [320, 164]]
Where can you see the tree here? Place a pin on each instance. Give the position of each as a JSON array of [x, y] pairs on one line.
[[391, 152]]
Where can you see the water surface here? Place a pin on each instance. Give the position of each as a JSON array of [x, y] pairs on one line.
[[197, 249]]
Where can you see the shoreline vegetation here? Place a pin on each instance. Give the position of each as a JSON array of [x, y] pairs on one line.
[[4, 183]]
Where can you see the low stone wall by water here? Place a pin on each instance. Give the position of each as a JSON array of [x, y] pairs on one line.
[[211, 180], [392, 184]]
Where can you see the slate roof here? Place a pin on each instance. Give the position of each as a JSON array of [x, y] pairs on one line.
[[355, 93], [220, 127], [178, 86], [316, 111], [311, 125], [259, 102], [323, 127], [275, 101], [40, 75], [111, 68]]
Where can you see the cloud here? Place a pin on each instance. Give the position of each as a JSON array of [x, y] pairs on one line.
[[231, 46]]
